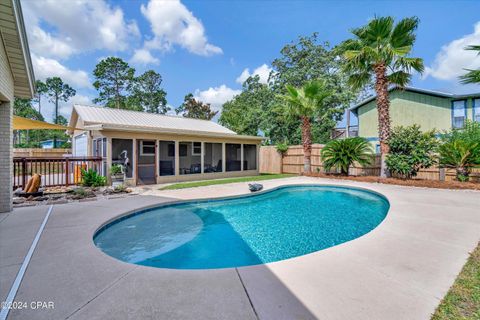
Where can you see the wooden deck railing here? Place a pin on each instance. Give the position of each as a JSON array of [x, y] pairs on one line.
[[54, 171]]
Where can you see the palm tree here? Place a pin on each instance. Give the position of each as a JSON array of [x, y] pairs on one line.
[[302, 103], [381, 50], [472, 76], [462, 155], [343, 153]]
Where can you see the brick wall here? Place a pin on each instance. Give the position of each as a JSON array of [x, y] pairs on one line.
[[6, 168], [6, 98]]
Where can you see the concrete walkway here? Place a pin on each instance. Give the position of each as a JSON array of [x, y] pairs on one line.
[[400, 270]]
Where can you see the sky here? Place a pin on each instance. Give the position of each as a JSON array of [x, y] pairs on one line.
[[209, 47]]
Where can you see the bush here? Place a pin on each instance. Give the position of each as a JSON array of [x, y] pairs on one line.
[[90, 178], [470, 132], [282, 148], [462, 155], [342, 153], [115, 169], [410, 151]]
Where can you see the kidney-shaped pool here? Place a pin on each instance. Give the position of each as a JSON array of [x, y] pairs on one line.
[[275, 225]]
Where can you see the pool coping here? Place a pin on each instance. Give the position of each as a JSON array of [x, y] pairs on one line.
[[399, 270]]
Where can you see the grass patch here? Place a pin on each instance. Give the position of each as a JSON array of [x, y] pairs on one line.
[[462, 301], [203, 183]]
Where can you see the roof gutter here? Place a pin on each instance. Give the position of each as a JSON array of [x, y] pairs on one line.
[[100, 127], [17, 9]]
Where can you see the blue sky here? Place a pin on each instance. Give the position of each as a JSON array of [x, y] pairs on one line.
[[203, 47]]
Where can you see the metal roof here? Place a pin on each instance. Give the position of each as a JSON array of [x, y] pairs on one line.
[[418, 90], [12, 31], [101, 118]]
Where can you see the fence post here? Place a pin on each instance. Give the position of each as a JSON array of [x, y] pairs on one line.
[[441, 172], [24, 173], [67, 175]]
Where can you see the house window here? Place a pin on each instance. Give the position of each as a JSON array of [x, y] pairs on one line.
[[476, 110], [458, 113], [196, 148], [147, 148]]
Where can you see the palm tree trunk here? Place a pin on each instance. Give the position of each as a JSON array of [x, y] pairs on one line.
[[383, 108], [307, 144]]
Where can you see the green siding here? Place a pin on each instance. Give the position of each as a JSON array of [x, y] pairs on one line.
[[408, 108]]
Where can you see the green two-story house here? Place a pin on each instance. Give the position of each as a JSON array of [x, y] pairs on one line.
[[429, 109]]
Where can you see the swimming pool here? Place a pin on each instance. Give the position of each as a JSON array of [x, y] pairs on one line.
[[283, 223]]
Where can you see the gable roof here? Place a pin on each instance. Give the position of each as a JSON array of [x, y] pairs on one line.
[[99, 118], [417, 90]]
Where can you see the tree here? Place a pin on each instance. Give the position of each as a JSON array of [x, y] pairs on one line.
[[410, 150], [23, 108], [472, 76], [148, 94], [57, 91], [41, 89], [192, 108], [113, 81], [302, 103], [343, 153], [244, 114], [381, 50], [299, 62]]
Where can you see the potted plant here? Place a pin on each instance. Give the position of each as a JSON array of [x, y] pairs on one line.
[[117, 175]]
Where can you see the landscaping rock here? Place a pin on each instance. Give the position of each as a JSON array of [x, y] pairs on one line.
[[18, 200]]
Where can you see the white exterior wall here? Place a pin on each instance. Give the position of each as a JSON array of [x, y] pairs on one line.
[[6, 109]]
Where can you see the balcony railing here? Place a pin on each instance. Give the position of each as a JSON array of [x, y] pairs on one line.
[[54, 171], [340, 133]]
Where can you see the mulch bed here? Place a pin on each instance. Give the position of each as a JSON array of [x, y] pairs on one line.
[[400, 182]]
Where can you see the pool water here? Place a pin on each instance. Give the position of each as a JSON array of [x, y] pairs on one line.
[[272, 226]]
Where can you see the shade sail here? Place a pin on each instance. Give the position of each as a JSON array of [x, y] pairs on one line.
[[20, 123]]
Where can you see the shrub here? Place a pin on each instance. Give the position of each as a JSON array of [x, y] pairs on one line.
[[115, 169], [282, 148], [90, 178], [410, 151], [470, 132], [342, 153], [462, 155]]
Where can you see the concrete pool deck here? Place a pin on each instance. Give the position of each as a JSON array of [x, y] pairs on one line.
[[400, 270]]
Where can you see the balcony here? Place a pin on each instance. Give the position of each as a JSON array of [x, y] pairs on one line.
[[340, 133]]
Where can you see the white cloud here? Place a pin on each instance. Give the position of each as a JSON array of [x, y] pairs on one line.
[[216, 96], [76, 26], [44, 68], [173, 24], [452, 59], [143, 56], [263, 72]]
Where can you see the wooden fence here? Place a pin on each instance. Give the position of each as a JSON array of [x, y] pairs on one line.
[[271, 161], [40, 153], [54, 171]]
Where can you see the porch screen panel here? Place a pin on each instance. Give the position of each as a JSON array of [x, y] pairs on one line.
[[167, 158], [212, 160], [122, 154], [234, 154], [249, 157], [190, 157]]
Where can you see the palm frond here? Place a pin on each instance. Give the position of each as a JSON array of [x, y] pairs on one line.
[[403, 34], [399, 78], [472, 76], [473, 47], [379, 29], [359, 80]]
